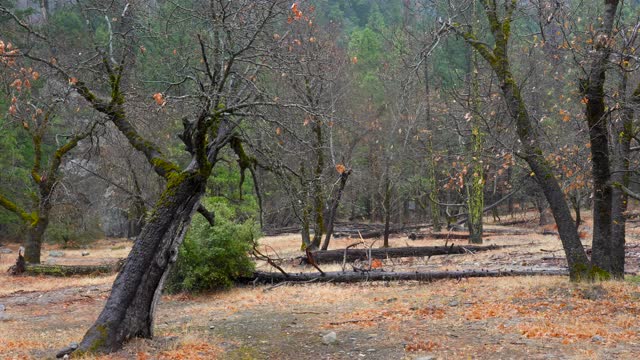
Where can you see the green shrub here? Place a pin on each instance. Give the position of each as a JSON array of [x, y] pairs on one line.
[[211, 258]]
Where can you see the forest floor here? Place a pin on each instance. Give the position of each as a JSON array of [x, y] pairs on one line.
[[481, 318]]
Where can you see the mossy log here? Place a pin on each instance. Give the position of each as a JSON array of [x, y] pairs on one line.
[[70, 270], [352, 277], [339, 255]]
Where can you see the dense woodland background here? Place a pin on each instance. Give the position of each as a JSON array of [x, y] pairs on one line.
[[381, 90], [127, 119]]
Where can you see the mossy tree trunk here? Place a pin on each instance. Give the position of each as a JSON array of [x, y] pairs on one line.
[[596, 115], [621, 177], [497, 57], [318, 195], [130, 309], [475, 183]]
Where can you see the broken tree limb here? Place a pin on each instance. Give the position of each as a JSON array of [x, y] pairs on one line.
[[351, 277], [340, 255], [208, 215]]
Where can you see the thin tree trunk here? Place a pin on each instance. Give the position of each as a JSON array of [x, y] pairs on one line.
[[432, 178], [475, 187], [318, 198], [621, 176], [130, 309], [334, 208], [387, 210]]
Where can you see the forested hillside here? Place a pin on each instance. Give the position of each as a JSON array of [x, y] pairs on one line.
[[323, 118]]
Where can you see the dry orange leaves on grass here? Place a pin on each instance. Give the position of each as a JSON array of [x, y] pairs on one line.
[[191, 351], [371, 317], [17, 349], [570, 317]]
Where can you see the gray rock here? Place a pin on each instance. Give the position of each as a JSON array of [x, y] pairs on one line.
[[428, 357], [454, 303], [55, 253], [330, 338], [5, 251], [597, 338], [85, 253], [2, 307]]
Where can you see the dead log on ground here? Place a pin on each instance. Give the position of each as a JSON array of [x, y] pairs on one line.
[[352, 277], [70, 270], [383, 253]]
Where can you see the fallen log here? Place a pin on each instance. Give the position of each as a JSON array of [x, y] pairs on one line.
[[70, 270], [351, 276], [338, 255]]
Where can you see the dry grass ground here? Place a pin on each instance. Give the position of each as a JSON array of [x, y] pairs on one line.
[[499, 318]]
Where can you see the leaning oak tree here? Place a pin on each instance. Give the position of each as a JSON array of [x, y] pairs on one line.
[[216, 91], [497, 56]]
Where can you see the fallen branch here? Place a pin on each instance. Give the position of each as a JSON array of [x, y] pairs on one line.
[[71, 270], [351, 277], [270, 261], [383, 253]]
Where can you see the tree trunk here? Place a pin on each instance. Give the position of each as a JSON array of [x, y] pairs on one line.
[[130, 309], [432, 179], [475, 183], [387, 210], [33, 243], [575, 202], [318, 198], [592, 88], [334, 208], [35, 234], [621, 176]]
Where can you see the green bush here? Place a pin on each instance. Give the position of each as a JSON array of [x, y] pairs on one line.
[[211, 258]]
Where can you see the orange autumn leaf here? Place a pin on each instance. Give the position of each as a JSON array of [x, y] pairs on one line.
[[354, 60], [278, 131], [340, 168], [73, 81], [297, 14], [159, 99], [376, 264]]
